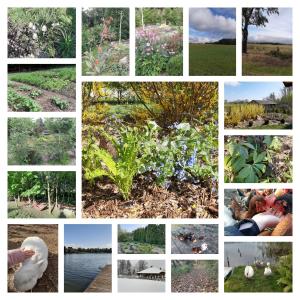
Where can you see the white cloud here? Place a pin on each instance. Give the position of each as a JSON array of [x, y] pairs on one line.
[[202, 19], [232, 83]]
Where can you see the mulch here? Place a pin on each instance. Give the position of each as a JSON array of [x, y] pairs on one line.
[[180, 200]]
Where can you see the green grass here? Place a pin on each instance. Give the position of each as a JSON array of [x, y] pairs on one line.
[[259, 61], [18, 102], [205, 59], [237, 282], [121, 110], [54, 80]]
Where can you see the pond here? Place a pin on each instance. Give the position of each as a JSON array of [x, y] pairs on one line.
[[241, 254], [81, 269]]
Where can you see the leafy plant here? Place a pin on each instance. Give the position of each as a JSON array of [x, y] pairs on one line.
[[247, 161], [60, 103], [35, 93], [19, 102], [24, 88], [285, 269], [121, 169]]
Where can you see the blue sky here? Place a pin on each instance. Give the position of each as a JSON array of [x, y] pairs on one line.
[[131, 227], [211, 24], [277, 30], [251, 90], [88, 235]]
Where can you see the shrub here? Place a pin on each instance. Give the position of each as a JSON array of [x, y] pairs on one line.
[[285, 269], [175, 65]]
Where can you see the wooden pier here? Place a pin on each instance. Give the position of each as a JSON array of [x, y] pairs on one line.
[[102, 282]]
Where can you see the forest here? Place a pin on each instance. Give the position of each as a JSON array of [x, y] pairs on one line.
[[105, 41], [152, 145], [38, 141], [71, 250], [149, 239], [33, 194]]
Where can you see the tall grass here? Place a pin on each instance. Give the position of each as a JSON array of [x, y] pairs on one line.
[[237, 113]]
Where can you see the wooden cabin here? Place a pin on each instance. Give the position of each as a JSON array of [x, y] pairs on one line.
[[153, 273]]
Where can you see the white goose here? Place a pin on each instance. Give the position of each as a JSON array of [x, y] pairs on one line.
[[249, 272], [268, 270]]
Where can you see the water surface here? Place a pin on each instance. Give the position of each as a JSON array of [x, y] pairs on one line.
[[81, 269]]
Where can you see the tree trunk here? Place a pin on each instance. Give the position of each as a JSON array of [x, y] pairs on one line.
[[120, 29], [49, 198], [143, 25], [56, 196], [245, 39]]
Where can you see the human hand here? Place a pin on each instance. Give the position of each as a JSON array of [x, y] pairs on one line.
[[265, 219], [28, 253]]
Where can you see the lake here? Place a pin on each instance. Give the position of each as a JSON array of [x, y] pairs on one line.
[[241, 254], [81, 269]]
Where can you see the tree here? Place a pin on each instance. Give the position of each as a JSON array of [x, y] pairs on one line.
[[254, 16]]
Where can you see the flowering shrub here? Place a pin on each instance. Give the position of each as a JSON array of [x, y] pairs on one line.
[[154, 49], [108, 59], [44, 32]]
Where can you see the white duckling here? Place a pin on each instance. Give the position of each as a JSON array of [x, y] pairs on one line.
[[268, 270], [249, 272]]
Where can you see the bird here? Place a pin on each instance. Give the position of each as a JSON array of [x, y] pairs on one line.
[[249, 272], [268, 270], [201, 249]]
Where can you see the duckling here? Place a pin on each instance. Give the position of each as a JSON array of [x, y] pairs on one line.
[[201, 249], [187, 237], [268, 270], [249, 272]]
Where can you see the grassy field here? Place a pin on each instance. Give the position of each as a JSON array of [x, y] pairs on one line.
[[266, 59], [205, 59], [237, 282]]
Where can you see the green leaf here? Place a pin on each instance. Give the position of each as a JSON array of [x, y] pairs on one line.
[[260, 157], [248, 174]]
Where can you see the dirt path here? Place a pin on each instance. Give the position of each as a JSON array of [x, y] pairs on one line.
[[197, 281], [44, 100], [49, 233]]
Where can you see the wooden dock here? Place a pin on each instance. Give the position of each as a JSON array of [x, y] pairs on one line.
[[102, 282]]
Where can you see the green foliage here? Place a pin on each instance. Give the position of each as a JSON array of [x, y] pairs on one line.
[[24, 88], [185, 153], [35, 93], [121, 169], [285, 269], [237, 282], [38, 141], [170, 16], [56, 79], [19, 102], [249, 160], [175, 65], [41, 32], [37, 187], [60, 103]]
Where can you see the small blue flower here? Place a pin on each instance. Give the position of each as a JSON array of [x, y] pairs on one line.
[[192, 160]]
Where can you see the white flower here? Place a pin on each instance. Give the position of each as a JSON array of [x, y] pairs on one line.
[[44, 28], [35, 36], [30, 25], [92, 95], [148, 44], [33, 27]]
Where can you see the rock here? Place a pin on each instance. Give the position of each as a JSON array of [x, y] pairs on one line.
[[124, 60]]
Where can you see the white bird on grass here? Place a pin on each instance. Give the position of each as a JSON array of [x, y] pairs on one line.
[[268, 270], [249, 272]]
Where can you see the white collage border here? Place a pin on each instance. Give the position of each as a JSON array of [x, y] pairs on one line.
[[132, 4]]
